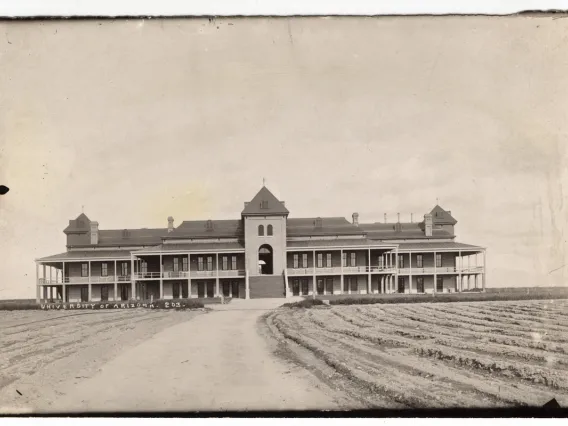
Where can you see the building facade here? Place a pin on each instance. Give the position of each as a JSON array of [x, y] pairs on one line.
[[263, 254]]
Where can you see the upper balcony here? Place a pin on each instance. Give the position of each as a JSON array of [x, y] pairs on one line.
[[232, 273]]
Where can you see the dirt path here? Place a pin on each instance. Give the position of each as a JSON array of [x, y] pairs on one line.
[[216, 361]]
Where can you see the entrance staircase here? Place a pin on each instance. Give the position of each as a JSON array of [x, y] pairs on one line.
[[267, 286]]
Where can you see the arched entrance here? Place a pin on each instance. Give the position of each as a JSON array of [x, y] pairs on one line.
[[265, 260]]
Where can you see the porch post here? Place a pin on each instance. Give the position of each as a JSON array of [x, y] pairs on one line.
[[341, 277], [217, 294], [395, 289], [38, 289], [161, 278], [314, 276], [435, 274], [460, 288], [189, 276], [483, 276], [132, 278], [410, 269], [90, 288], [115, 297], [369, 285]]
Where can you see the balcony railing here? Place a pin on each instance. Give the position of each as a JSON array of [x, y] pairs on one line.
[[176, 274], [232, 273], [47, 281], [300, 271], [354, 269]]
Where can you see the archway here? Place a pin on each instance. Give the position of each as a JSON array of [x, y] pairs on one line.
[[265, 260]]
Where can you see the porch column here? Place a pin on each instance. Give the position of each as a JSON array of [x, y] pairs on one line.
[[314, 276], [217, 294], [115, 298], [161, 278], [341, 277], [132, 278], [435, 274], [44, 275], [369, 285], [483, 278], [395, 283], [382, 283], [38, 289], [410, 273], [50, 278], [63, 280], [459, 271], [189, 276], [90, 288]]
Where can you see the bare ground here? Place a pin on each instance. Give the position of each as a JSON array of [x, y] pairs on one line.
[[151, 361], [484, 354]]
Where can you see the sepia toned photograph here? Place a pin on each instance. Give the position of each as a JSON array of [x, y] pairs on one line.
[[284, 215]]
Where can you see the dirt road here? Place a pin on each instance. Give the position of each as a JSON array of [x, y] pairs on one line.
[[215, 361]]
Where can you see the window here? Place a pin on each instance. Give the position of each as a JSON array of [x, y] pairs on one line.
[[200, 263], [184, 263], [144, 267], [295, 261], [264, 204], [84, 269], [438, 260], [354, 284], [420, 284], [345, 284], [401, 284], [400, 261], [353, 258], [269, 230], [104, 270], [328, 260], [261, 230], [176, 264], [381, 262], [225, 264], [320, 260], [209, 263], [234, 263], [344, 259], [419, 261], [124, 269], [304, 260]]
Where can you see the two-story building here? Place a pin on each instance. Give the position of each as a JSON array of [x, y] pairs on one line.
[[265, 253]]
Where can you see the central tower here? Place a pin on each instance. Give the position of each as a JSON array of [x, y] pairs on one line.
[[264, 220]]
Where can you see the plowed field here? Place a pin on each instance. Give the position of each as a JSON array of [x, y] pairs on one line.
[[478, 354]]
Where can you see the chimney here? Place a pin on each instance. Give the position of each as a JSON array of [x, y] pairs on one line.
[[428, 225], [170, 224], [356, 219], [94, 232], [385, 218]]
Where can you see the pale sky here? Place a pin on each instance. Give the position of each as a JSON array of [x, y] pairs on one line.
[[142, 119]]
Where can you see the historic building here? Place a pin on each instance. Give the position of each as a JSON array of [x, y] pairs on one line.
[[265, 253]]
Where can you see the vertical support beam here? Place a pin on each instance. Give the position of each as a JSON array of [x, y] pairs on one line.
[[395, 284], [90, 288], [341, 278], [247, 284], [382, 283], [50, 274], [314, 276], [459, 262], [217, 294], [63, 280], [369, 286], [115, 297], [38, 288], [410, 269], [435, 274], [161, 278], [132, 278], [483, 276], [189, 276], [44, 276]]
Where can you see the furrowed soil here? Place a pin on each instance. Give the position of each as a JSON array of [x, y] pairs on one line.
[[467, 354]]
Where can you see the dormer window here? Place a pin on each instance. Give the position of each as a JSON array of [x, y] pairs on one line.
[[209, 225], [80, 224], [125, 233], [264, 204], [318, 222]]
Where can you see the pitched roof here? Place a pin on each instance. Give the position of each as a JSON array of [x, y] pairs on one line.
[[319, 226], [362, 242], [426, 245], [129, 237], [81, 224], [207, 229], [198, 247], [265, 203], [442, 217], [87, 254]]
